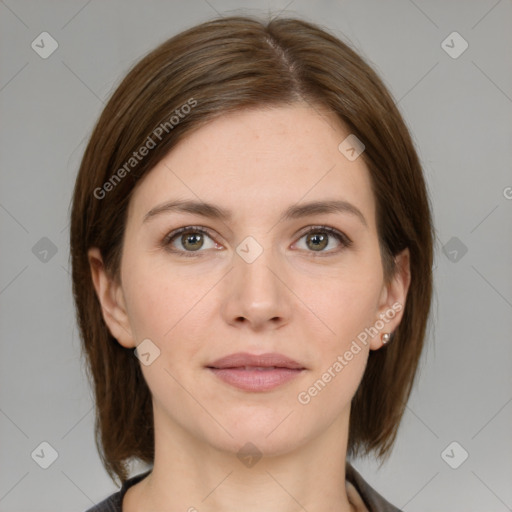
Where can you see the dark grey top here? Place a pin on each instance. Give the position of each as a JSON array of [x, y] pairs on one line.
[[373, 500]]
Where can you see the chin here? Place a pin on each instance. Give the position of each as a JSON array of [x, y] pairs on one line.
[[258, 444], [266, 431]]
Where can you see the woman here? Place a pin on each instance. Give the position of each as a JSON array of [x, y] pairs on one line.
[[251, 247]]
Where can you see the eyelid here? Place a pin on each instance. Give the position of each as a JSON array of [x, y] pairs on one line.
[[166, 242], [344, 240], [329, 229]]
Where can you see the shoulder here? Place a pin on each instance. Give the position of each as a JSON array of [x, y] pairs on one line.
[[110, 504], [114, 502], [372, 499]]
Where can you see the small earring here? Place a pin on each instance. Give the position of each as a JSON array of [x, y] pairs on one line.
[[385, 338]]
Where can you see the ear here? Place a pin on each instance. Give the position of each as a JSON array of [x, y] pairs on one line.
[[392, 299], [111, 298]]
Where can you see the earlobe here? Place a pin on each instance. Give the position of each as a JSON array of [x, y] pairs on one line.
[[110, 297], [393, 299]]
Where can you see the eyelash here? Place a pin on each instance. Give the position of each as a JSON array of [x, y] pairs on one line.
[[340, 237]]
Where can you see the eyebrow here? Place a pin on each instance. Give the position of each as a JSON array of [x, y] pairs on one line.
[[293, 212]]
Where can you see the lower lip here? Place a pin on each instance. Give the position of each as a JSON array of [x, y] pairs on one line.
[[256, 380]]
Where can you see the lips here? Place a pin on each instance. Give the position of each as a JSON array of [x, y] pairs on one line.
[[264, 361], [256, 372]]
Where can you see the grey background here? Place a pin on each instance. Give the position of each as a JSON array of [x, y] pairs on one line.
[[459, 111]]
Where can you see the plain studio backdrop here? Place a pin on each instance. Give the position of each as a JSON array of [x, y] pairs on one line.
[[447, 65]]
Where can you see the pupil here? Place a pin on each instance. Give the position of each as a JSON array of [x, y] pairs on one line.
[[192, 239], [317, 240]]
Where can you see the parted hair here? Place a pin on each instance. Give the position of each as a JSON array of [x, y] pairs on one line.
[[221, 66]]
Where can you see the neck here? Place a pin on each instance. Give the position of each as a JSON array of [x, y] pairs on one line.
[[191, 475]]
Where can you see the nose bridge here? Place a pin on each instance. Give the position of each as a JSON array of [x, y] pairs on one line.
[[256, 293], [253, 263]]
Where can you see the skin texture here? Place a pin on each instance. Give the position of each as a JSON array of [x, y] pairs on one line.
[[307, 304]]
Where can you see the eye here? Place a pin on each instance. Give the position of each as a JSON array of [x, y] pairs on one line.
[[189, 240], [317, 238]]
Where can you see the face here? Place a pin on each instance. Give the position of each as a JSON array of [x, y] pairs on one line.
[[273, 275]]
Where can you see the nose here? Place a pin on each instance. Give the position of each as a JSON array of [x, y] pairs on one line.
[[255, 293]]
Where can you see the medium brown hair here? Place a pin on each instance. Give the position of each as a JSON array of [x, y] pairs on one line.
[[222, 66]]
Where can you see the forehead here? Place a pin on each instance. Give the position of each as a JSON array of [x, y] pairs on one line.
[[258, 162]]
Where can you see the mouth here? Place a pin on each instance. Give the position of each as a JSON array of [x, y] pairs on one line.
[[256, 373]]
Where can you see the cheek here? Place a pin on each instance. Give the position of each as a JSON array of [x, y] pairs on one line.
[[331, 389], [151, 308], [158, 299], [347, 308], [170, 310], [347, 302]]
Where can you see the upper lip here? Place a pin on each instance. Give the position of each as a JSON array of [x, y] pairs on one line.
[[242, 359]]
